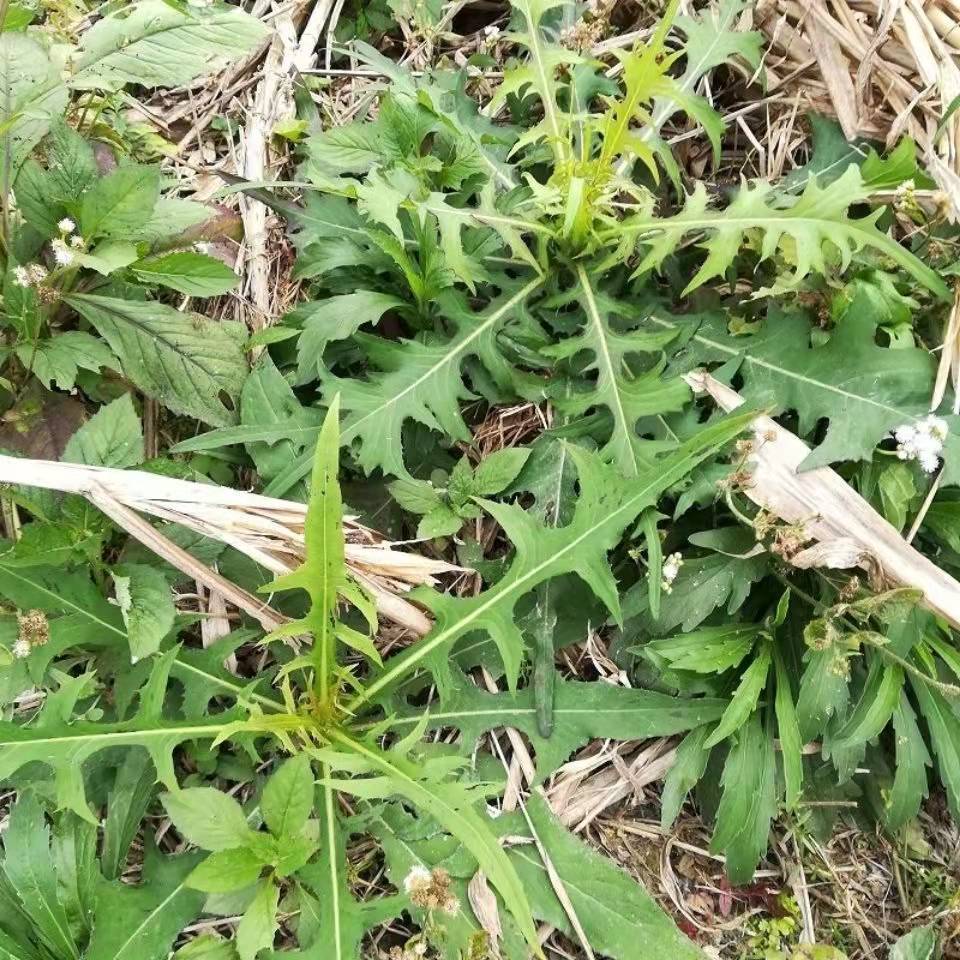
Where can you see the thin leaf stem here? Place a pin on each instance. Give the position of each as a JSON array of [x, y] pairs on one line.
[[948, 689]]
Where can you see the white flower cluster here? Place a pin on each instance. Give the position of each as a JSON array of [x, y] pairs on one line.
[[922, 441], [671, 568], [430, 889], [416, 879], [32, 275], [21, 648], [64, 246], [905, 196]]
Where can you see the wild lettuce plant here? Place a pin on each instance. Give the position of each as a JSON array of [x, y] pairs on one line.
[[541, 248]]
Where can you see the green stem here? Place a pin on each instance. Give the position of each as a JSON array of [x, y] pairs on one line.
[[947, 689]]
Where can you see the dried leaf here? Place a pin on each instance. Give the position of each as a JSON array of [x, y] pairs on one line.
[[484, 904]]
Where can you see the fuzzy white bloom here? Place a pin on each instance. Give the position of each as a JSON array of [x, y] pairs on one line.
[[66, 225], [905, 434], [905, 188], [77, 242], [21, 276], [922, 441], [491, 32], [62, 253], [201, 246], [671, 568], [38, 272], [935, 426], [416, 879], [21, 648], [928, 461]]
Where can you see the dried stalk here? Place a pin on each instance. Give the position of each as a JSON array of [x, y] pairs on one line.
[[267, 530], [848, 531]]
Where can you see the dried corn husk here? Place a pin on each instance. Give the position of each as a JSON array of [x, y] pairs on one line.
[[267, 530], [848, 531]]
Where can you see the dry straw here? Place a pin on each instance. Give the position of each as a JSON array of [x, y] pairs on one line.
[[847, 531], [267, 530], [884, 69]]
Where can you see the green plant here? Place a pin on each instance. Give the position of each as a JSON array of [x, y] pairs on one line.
[[58, 903], [541, 250], [100, 239], [769, 936], [528, 253], [322, 715], [444, 509]]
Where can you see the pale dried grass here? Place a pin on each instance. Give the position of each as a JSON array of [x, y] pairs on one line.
[[883, 69]]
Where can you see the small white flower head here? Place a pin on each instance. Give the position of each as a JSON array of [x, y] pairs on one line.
[[38, 273], [201, 246], [77, 242], [928, 461], [925, 442], [671, 568], [905, 198], [922, 441], [906, 433], [62, 253], [21, 276], [450, 906], [936, 426], [491, 32], [66, 225], [21, 648], [417, 879]]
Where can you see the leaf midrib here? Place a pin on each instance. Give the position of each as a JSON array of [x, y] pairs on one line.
[[330, 815], [783, 371], [505, 711], [118, 316], [514, 588], [137, 735], [300, 468], [602, 351], [63, 601], [460, 348], [177, 664]]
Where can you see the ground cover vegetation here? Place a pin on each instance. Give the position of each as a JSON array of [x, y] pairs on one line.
[[334, 785]]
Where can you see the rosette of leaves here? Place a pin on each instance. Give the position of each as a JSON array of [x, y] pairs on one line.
[[553, 256], [445, 505], [457, 258], [394, 231], [339, 737]]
